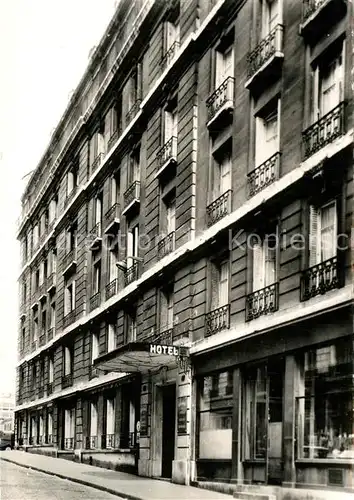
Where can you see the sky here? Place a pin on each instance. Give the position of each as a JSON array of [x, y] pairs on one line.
[[44, 49]]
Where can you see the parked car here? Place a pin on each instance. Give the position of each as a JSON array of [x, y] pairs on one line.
[[7, 440]]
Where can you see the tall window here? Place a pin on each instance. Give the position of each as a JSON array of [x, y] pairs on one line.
[[52, 315], [220, 278], [133, 246], [115, 188], [270, 16], [43, 319], [35, 325], [131, 325], [110, 419], [215, 416], [96, 146], [166, 308], [112, 263], [69, 425], [134, 166], [111, 123], [52, 261], [72, 179], [135, 85], [68, 362], [35, 235], [51, 371], [71, 237], [96, 278], [221, 174], [171, 121], [93, 420], [98, 203], [224, 66], [168, 223], [70, 298], [323, 233], [267, 133], [52, 214], [111, 337], [95, 349], [49, 425], [172, 30], [264, 252]]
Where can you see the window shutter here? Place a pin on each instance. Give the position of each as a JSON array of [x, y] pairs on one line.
[[270, 262], [258, 281], [214, 287], [314, 254], [224, 284], [315, 94], [260, 146], [225, 174], [328, 231]]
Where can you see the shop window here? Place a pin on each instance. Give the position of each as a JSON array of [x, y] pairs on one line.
[[324, 412], [215, 416]]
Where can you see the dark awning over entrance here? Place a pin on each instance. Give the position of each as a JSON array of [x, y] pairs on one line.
[[141, 357]]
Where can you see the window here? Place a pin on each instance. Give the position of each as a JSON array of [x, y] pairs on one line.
[[133, 246], [70, 298], [96, 278], [67, 361], [52, 215], [35, 235], [71, 237], [115, 189], [93, 420], [72, 179], [267, 133], [134, 166], [69, 425], [49, 425], [45, 269], [43, 223], [221, 173], [215, 416], [112, 263], [43, 320], [110, 418], [131, 326], [264, 254], [323, 233], [224, 67], [135, 85], [324, 410], [98, 203], [111, 337], [172, 31], [52, 315], [171, 121], [23, 337], [111, 123], [95, 350], [34, 376], [96, 147], [220, 277], [35, 325], [52, 262], [328, 82], [270, 16], [51, 371], [166, 308], [169, 212], [24, 292]]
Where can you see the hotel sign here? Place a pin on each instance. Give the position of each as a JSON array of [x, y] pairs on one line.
[[168, 350]]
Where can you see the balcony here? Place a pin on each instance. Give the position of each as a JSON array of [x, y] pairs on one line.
[[219, 208], [42, 340], [95, 301], [109, 441], [131, 274], [96, 163], [95, 237], [221, 103], [265, 61], [112, 219], [262, 302], [69, 261], [217, 320], [69, 443], [69, 318], [320, 279], [324, 131], [111, 288], [51, 282], [131, 197], [49, 388], [166, 156], [91, 442], [112, 140], [319, 15], [66, 381], [70, 196], [265, 174], [93, 372], [133, 111], [50, 333], [166, 245], [169, 55]]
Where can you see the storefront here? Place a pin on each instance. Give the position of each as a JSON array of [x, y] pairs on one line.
[[277, 410]]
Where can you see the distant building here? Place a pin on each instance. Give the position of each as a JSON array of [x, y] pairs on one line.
[[186, 282], [7, 412]]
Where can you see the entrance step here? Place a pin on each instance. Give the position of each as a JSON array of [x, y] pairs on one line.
[[242, 495]]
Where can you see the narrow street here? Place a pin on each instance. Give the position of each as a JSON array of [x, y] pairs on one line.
[[19, 483]]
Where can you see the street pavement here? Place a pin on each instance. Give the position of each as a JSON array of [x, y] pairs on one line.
[[18, 483]]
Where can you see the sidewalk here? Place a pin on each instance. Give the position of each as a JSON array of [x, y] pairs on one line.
[[121, 484]]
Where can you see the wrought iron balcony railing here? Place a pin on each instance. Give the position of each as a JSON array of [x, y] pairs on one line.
[[69, 260], [132, 193], [271, 44], [265, 174], [222, 96], [50, 333], [111, 288], [69, 443], [96, 162], [131, 274], [113, 139], [66, 381], [163, 336], [69, 318], [168, 153], [169, 55], [49, 388], [309, 7], [324, 131], [319, 279], [166, 245], [112, 216], [91, 442], [217, 320], [262, 302], [219, 208], [133, 111], [95, 301], [109, 441]]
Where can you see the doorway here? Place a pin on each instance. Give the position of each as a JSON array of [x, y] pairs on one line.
[[168, 429]]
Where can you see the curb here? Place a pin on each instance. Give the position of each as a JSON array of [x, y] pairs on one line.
[[123, 496]]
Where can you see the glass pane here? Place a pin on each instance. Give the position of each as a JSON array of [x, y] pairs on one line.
[[261, 413]]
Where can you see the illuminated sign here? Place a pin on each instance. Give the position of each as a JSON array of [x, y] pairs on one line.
[[164, 349]]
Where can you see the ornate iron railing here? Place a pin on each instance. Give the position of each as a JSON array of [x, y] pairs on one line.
[[222, 95], [95, 301], [168, 152], [69, 443], [66, 381], [324, 131], [133, 111], [166, 245], [132, 193], [265, 50], [217, 320], [219, 208], [69, 318], [309, 7], [111, 288], [91, 442], [262, 302], [131, 274], [69, 259], [113, 139], [319, 279], [109, 441], [112, 214], [96, 162], [50, 333], [169, 55], [264, 175]]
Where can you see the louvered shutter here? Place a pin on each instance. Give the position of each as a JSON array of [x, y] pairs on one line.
[[314, 243], [258, 278], [328, 231], [224, 284]]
